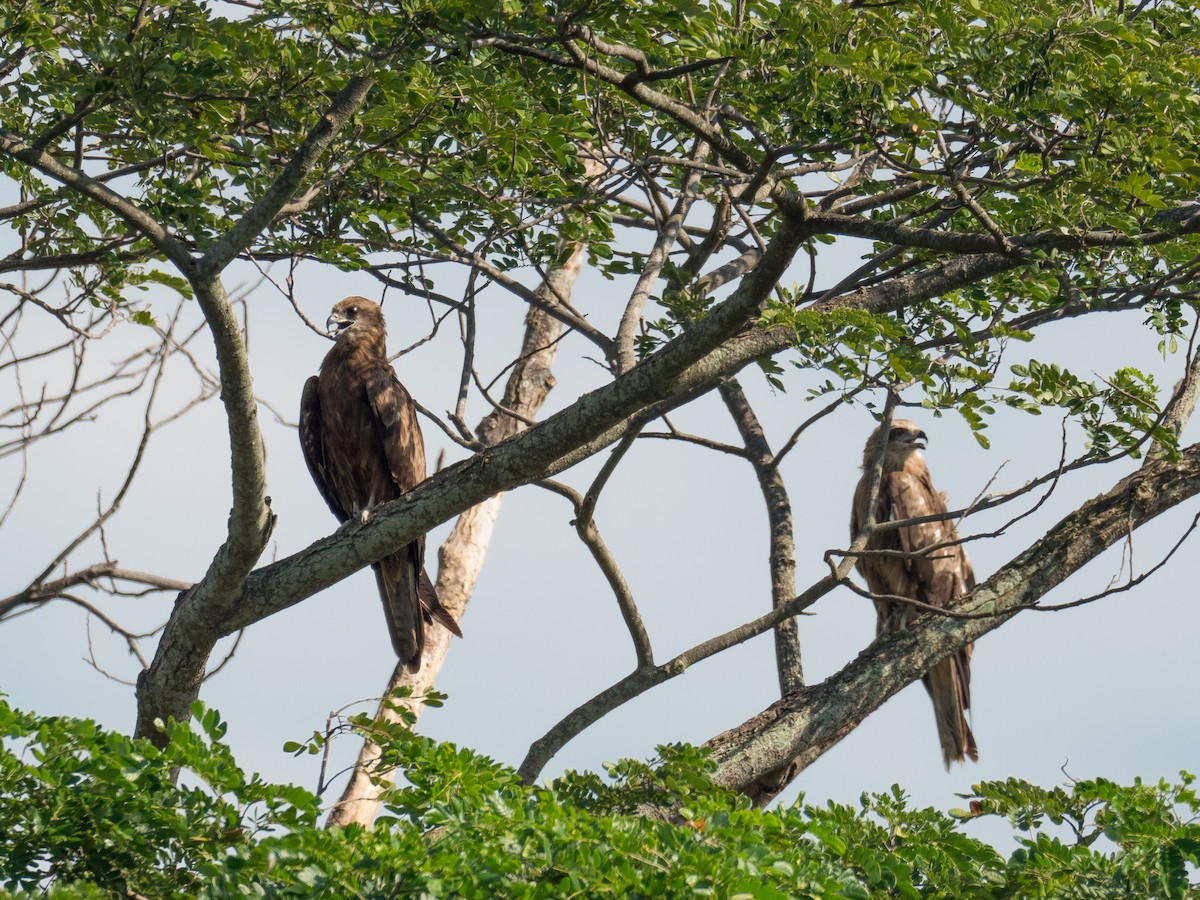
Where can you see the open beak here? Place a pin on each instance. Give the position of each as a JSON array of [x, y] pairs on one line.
[[336, 325]]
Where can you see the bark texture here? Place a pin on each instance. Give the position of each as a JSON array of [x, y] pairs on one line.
[[762, 755]]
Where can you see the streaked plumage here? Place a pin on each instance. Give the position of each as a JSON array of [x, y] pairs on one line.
[[363, 445], [906, 491]]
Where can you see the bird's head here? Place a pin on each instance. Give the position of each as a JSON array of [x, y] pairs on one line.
[[354, 315], [905, 437]]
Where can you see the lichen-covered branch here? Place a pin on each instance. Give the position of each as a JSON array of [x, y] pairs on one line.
[[762, 755], [782, 555]]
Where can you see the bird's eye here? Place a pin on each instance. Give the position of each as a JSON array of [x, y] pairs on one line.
[[353, 310]]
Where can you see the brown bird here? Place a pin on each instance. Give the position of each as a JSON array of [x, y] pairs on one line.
[[906, 492], [363, 446]]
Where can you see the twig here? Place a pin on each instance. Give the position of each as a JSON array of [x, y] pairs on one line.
[[641, 680], [590, 535], [228, 656]]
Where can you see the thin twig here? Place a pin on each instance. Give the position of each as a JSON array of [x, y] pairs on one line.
[[590, 535]]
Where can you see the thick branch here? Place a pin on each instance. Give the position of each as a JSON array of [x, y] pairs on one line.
[[250, 518], [760, 756], [897, 234]]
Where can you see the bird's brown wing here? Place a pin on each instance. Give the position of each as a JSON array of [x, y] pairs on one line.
[[397, 426], [404, 447], [942, 576], [312, 443], [883, 574]]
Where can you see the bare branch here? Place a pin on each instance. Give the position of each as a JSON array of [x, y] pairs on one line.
[[40, 592], [782, 552], [626, 356], [641, 680], [585, 527]]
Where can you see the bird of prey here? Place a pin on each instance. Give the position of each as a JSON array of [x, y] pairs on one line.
[[937, 578], [363, 446]]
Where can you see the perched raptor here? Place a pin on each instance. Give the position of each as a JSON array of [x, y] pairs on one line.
[[363, 446], [906, 492]]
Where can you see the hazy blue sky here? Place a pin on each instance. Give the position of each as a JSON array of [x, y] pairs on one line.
[[1101, 690]]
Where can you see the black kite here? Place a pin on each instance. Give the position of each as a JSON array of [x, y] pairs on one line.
[[363, 446], [937, 578]]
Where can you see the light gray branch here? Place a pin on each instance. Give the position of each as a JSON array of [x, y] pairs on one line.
[[90, 575]]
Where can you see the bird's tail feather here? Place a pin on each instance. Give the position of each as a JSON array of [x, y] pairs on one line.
[[409, 602], [397, 580], [432, 607], [947, 683]]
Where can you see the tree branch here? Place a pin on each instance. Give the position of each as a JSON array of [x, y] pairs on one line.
[[782, 553], [585, 527], [282, 189], [627, 331], [762, 755]]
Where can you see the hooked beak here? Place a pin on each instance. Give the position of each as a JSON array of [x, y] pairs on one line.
[[336, 324]]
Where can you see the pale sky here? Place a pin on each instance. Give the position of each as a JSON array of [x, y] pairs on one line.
[[1104, 690]]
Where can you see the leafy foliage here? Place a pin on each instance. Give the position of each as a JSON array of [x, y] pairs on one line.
[[80, 804], [1059, 134], [90, 813], [1003, 166]]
